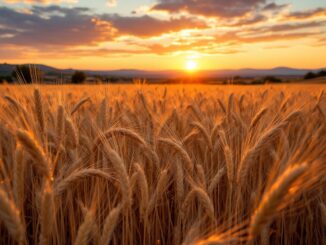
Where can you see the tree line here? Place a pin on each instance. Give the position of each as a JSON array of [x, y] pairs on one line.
[[27, 75], [312, 75]]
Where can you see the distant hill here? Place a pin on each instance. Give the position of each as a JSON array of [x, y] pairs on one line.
[[7, 69]]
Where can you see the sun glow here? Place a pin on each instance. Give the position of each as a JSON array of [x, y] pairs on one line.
[[191, 65]]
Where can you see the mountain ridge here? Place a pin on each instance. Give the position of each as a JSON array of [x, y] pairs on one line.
[[7, 69]]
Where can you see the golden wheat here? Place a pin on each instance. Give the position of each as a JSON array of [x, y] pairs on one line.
[[153, 164]]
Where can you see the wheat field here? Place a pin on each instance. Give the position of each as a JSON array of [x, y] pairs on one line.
[[155, 164]]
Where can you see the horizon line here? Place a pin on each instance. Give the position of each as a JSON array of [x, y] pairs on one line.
[[165, 70]]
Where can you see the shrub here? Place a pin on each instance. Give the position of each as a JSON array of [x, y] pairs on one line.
[[6, 79], [272, 79], [310, 75], [78, 77]]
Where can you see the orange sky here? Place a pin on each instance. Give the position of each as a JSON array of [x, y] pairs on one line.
[[164, 34]]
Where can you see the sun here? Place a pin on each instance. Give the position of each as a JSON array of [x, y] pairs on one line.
[[191, 65]]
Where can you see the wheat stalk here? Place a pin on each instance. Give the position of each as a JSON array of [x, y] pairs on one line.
[[47, 214]]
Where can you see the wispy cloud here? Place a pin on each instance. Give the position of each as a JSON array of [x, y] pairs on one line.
[[112, 3], [319, 12], [41, 1], [221, 8]]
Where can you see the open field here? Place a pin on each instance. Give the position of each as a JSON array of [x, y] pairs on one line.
[[149, 164]]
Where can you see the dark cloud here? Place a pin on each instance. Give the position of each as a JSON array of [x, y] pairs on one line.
[[307, 14], [274, 7], [52, 25], [55, 26], [145, 26], [40, 1], [290, 27], [250, 21], [218, 8]]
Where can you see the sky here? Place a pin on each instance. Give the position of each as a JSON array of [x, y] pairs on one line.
[[164, 34]]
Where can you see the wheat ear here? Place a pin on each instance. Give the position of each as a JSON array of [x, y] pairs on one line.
[[19, 177], [39, 109], [78, 105], [216, 179], [202, 198], [178, 147], [110, 223], [204, 132], [160, 188], [62, 185], [274, 197], [60, 124], [10, 216], [120, 168], [72, 137], [323, 213], [102, 115], [85, 229], [257, 118], [143, 186], [35, 150]]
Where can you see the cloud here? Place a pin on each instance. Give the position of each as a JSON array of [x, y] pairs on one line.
[[220, 8], [59, 26], [146, 26], [53, 25], [112, 3], [250, 21], [40, 1], [276, 37], [275, 7], [227, 43], [290, 27], [307, 14], [59, 31]]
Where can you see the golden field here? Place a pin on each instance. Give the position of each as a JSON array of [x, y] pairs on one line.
[[147, 164]]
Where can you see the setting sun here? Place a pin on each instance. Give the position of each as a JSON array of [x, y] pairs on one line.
[[191, 65]]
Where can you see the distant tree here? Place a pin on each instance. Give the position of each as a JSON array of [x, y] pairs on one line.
[[310, 75], [6, 79], [78, 77], [322, 73], [257, 81], [272, 79]]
